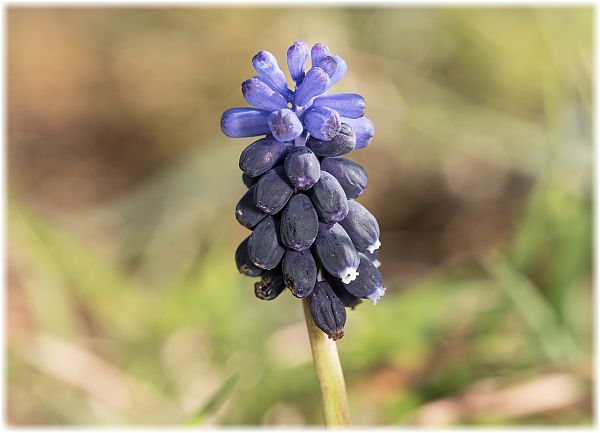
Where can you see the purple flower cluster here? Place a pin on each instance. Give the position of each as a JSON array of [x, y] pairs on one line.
[[308, 232]]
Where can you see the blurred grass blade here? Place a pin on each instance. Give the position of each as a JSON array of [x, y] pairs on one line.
[[554, 338], [214, 402]]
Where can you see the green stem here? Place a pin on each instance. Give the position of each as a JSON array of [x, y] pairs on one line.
[[329, 374]]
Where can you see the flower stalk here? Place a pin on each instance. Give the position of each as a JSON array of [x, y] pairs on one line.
[[330, 376]]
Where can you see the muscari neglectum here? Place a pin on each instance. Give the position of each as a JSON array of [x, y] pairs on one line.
[[309, 233]]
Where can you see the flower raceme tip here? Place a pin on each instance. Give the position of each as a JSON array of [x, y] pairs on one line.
[[268, 93]]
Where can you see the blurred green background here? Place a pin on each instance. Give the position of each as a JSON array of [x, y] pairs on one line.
[[125, 306]]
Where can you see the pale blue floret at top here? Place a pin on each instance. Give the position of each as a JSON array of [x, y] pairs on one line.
[[309, 110]]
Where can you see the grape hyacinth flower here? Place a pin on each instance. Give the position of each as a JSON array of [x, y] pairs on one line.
[[300, 204], [309, 233]]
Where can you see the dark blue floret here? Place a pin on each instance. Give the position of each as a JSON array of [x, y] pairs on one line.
[[299, 223], [248, 181], [243, 262], [343, 142], [367, 284], [270, 285], [262, 155], [299, 272], [347, 298], [246, 213], [362, 227], [351, 176], [302, 168], [272, 191], [336, 252], [265, 249], [329, 199], [327, 310]]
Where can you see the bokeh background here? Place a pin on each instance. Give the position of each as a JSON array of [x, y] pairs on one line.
[[124, 303]]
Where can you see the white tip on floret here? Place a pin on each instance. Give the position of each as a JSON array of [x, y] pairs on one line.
[[348, 275], [374, 246], [376, 263], [374, 297]]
